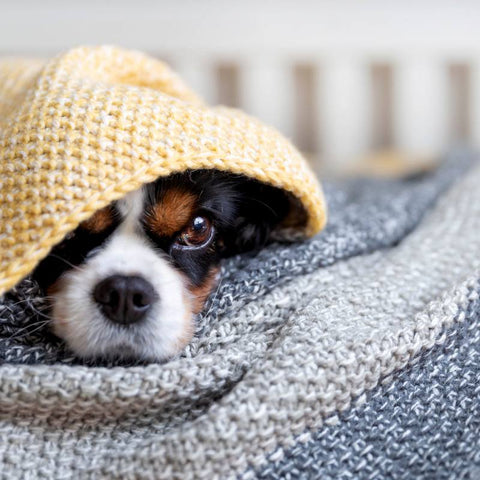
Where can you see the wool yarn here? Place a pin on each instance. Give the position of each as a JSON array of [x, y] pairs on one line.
[[93, 124], [352, 355]]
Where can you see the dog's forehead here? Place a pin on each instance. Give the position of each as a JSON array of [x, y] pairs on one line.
[[132, 205], [164, 208]]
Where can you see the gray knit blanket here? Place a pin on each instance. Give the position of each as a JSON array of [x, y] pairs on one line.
[[353, 355]]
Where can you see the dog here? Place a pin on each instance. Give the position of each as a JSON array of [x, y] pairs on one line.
[[129, 281]]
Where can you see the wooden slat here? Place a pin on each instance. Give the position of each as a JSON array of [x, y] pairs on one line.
[[382, 108], [267, 92], [475, 105], [306, 114], [345, 101], [228, 84], [421, 107], [459, 107]]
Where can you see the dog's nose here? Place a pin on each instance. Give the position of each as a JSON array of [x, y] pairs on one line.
[[124, 299]]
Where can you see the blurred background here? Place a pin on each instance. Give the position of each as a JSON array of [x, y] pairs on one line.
[[361, 86]]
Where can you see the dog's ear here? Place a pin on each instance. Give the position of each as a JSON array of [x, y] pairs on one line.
[[260, 209]]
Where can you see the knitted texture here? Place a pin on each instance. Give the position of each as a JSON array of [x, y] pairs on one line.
[[424, 424], [271, 370], [87, 127], [366, 215]]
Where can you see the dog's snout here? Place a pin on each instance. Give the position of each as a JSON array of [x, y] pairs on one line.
[[125, 299]]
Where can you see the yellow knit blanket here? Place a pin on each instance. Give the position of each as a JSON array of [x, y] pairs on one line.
[[93, 124]]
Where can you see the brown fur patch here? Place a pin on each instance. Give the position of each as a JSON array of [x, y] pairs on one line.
[[55, 287], [188, 327], [202, 292], [171, 213], [99, 221]]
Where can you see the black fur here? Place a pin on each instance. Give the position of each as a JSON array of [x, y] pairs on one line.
[[70, 253], [243, 212]]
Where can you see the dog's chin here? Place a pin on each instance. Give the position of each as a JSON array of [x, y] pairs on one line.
[[132, 343], [90, 335]]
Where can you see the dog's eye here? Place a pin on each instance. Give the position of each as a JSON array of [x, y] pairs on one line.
[[197, 234]]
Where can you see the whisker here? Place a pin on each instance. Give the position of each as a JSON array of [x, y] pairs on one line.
[[213, 298], [40, 312], [264, 204], [20, 302], [76, 267], [38, 326]]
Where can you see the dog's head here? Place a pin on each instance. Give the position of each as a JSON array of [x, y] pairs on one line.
[[129, 280]]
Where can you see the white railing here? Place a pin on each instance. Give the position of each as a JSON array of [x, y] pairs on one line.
[[339, 41]]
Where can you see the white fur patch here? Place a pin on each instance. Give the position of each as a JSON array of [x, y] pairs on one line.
[[78, 320]]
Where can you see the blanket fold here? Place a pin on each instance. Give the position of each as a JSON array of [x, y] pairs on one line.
[[300, 345]]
